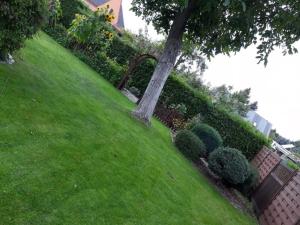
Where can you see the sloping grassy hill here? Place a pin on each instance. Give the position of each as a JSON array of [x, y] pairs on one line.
[[71, 154]]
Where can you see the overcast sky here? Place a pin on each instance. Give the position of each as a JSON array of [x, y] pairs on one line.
[[275, 87]]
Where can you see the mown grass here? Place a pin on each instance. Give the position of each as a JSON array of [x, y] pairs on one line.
[[71, 153]]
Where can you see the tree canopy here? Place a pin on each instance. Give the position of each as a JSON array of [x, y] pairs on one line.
[[224, 26], [215, 26], [233, 101]]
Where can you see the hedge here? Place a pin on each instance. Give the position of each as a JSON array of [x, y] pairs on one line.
[[70, 8], [121, 51], [108, 68], [235, 132]]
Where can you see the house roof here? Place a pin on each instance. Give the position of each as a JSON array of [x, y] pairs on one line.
[[115, 5]]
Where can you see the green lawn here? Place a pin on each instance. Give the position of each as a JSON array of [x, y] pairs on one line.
[[71, 154]]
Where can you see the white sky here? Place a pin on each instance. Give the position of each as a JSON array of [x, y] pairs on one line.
[[275, 87]]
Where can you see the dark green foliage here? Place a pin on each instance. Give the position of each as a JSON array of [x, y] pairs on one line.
[[142, 75], [121, 51], [190, 145], [236, 132], [230, 164], [109, 69], [59, 33], [69, 9], [229, 26], [249, 185], [19, 20], [210, 137]]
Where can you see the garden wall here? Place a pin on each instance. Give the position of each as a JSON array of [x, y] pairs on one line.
[[285, 208], [277, 198], [265, 161]]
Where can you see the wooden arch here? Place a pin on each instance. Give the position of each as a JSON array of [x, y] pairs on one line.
[[134, 63]]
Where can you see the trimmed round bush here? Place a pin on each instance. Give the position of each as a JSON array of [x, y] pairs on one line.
[[248, 186], [190, 145], [230, 164], [210, 137]]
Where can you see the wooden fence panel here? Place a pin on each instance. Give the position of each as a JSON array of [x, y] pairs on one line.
[[259, 158], [285, 208], [265, 161], [271, 186]]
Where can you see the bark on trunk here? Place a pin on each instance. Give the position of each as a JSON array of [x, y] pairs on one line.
[[164, 67]]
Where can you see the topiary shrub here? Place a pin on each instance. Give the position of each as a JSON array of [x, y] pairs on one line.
[[190, 145], [248, 186], [230, 164], [210, 137], [19, 20]]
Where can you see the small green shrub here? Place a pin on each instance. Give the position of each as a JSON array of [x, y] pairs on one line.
[[248, 186], [210, 137], [190, 145], [293, 165], [230, 164]]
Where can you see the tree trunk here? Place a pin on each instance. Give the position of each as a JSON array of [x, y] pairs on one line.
[[165, 66]]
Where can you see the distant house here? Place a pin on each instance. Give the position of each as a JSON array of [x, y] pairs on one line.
[[260, 123], [114, 5]]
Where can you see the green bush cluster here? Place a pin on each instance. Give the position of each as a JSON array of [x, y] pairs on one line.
[[235, 131], [19, 20], [210, 137], [190, 145], [230, 164], [59, 33], [248, 186]]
